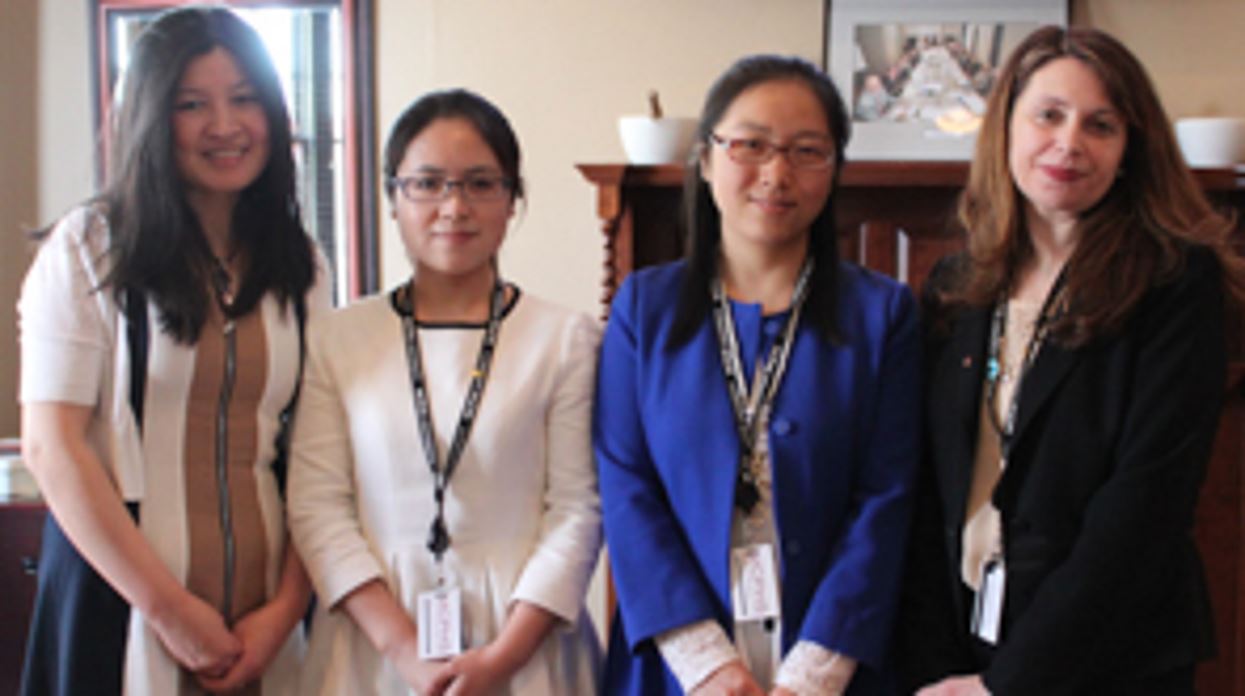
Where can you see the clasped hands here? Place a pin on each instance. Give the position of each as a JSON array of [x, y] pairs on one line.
[[222, 660], [733, 679], [476, 672]]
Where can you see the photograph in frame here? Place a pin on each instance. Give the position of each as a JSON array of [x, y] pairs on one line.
[[916, 73]]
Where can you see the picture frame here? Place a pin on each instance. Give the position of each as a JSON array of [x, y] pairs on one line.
[[915, 73]]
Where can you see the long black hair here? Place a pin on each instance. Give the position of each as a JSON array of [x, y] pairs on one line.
[[702, 220], [158, 246]]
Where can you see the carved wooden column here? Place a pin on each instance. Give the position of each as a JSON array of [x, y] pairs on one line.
[[631, 198]]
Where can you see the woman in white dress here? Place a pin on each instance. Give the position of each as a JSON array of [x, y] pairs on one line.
[[160, 332], [442, 488]]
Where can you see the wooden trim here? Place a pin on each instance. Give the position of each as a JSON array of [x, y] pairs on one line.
[[880, 174]]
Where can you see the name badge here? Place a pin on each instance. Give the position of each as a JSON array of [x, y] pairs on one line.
[[439, 617], [754, 583], [988, 605]]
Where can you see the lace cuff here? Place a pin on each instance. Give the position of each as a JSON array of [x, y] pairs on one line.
[[695, 651], [811, 670]]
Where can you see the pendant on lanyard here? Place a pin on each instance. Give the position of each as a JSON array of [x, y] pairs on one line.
[[438, 534], [998, 326], [748, 404]]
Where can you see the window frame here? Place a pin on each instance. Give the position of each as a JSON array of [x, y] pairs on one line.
[[361, 252]]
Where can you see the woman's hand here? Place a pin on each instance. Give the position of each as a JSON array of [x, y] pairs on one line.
[[478, 672], [262, 633], [970, 685], [195, 635], [731, 679], [486, 669], [264, 630], [427, 678]]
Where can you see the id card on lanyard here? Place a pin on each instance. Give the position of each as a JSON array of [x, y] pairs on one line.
[[439, 611], [987, 618], [754, 574]]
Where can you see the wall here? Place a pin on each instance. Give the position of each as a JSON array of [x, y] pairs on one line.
[[563, 71], [19, 166], [1192, 48]]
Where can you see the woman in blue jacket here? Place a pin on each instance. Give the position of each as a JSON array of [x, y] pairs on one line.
[[756, 418]]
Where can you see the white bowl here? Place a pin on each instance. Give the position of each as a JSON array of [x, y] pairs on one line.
[[1212, 142], [648, 140]]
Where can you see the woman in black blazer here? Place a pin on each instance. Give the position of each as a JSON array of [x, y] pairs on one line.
[[1075, 363]]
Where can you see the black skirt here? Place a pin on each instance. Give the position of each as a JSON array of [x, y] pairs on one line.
[[78, 629]]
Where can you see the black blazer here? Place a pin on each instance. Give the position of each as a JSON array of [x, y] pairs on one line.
[[1104, 584]]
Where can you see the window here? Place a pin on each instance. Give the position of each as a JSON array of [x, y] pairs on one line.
[[322, 52]]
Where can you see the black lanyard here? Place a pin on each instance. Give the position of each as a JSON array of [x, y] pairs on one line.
[[438, 536], [998, 325], [746, 404]]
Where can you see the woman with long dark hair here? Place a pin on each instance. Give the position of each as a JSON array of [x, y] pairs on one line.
[[161, 350], [756, 418], [1075, 365]]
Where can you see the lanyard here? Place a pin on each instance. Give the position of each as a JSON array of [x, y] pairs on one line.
[[438, 536], [747, 404], [998, 326]]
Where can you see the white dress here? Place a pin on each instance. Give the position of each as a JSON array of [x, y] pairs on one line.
[[522, 508], [74, 351]]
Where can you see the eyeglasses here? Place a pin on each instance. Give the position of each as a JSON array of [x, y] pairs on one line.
[[429, 188], [802, 154]]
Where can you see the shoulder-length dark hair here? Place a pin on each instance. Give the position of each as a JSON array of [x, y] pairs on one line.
[[702, 221], [492, 125], [158, 246], [1133, 238]]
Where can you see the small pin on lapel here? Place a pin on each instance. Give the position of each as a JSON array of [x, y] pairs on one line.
[[967, 362]]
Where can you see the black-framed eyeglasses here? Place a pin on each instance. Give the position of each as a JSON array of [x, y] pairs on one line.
[[801, 154], [429, 188]]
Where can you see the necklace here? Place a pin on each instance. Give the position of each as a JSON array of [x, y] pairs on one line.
[[222, 280]]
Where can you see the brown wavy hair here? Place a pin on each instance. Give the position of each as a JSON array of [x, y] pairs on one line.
[[1135, 237]]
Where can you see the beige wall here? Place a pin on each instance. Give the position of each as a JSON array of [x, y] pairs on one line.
[[19, 167], [1191, 48], [66, 144], [563, 71]]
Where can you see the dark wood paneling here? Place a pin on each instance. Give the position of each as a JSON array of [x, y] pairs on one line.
[[21, 525]]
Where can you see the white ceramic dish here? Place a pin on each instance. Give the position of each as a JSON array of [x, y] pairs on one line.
[[648, 140], [1212, 142]]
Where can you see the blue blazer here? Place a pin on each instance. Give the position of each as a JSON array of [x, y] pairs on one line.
[[843, 437]]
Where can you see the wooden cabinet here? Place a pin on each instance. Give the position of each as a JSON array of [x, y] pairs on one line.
[[899, 218], [21, 527]]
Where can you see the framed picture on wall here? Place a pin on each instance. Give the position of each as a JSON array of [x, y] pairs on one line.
[[916, 73]]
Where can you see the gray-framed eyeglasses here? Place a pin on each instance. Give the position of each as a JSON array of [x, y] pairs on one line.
[[802, 154], [430, 188]]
